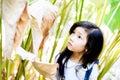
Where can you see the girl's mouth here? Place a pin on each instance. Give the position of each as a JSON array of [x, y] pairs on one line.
[[69, 43]]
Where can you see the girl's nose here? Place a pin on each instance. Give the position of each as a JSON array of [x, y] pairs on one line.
[[72, 38]]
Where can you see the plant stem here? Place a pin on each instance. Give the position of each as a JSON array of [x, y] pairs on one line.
[[21, 69], [81, 8], [103, 13], [0, 50]]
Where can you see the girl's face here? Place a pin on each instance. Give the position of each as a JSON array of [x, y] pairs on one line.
[[77, 40]]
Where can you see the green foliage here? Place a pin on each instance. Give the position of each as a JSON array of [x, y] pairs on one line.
[[112, 18], [53, 1], [26, 46], [111, 54], [65, 10], [30, 0], [79, 8]]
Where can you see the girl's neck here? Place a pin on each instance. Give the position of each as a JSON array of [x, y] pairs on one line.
[[76, 57]]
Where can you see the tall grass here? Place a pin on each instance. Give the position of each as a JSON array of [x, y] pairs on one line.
[[0, 47], [26, 45], [112, 53], [62, 20]]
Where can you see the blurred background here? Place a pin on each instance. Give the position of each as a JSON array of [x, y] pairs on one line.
[[104, 13]]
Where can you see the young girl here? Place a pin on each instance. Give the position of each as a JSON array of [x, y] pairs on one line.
[[79, 60]]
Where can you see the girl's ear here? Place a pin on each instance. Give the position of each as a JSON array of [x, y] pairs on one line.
[[86, 50]]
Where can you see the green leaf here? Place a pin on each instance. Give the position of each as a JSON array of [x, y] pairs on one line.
[[112, 18]]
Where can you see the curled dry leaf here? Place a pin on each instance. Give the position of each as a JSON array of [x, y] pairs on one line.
[[43, 16], [49, 70], [21, 26], [11, 13]]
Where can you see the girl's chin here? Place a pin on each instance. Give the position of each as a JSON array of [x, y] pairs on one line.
[[69, 48]]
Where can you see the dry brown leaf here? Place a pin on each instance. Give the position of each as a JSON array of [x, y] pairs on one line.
[[42, 20], [49, 70], [43, 16], [11, 13], [36, 36], [21, 26], [47, 23]]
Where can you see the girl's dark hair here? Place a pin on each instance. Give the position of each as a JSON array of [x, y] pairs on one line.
[[94, 45]]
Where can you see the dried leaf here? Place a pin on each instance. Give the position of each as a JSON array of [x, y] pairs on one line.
[[49, 70], [21, 26], [11, 12], [36, 35], [43, 16]]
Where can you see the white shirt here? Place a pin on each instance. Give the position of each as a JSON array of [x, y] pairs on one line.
[[70, 71]]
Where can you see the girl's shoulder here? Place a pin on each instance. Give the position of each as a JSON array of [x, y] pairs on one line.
[[92, 71], [93, 64]]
